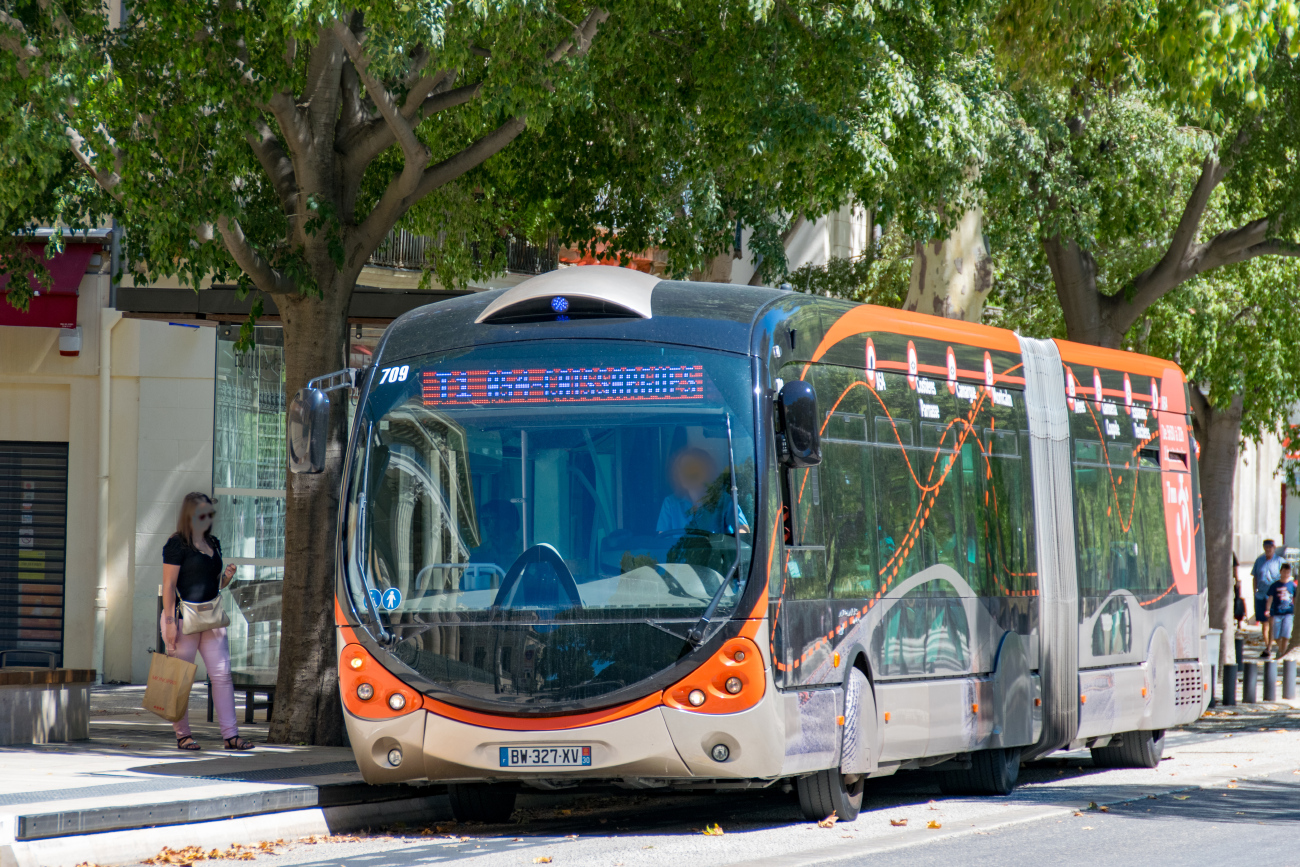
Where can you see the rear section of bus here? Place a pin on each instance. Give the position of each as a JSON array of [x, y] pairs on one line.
[[1144, 655]]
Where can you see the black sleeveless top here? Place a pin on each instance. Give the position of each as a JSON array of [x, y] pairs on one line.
[[200, 577]]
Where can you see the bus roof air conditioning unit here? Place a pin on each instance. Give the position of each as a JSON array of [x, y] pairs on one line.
[[583, 292]]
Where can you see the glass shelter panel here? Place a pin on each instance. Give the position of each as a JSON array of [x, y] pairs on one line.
[[248, 472]]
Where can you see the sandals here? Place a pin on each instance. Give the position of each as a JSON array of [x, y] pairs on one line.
[[238, 743], [191, 745]]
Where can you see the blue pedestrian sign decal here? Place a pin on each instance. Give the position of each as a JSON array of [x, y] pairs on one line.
[[391, 599], [374, 598]]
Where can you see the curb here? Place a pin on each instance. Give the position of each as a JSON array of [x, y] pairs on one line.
[[133, 845]]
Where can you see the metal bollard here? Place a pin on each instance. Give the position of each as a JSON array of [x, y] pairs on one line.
[[1240, 645], [1229, 685], [1249, 680], [1270, 680], [1288, 678]]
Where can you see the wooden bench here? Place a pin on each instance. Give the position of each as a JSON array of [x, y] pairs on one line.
[[44, 705]]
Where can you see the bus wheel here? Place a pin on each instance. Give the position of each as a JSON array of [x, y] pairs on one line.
[[481, 802], [831, 791], [991, 772], [1135, 750]]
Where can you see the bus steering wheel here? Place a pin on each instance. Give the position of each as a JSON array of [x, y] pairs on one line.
[[540, 553]]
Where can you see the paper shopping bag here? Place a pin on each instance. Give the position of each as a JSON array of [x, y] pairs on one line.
[[168, 690]]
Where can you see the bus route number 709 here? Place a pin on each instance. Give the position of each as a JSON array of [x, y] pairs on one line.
[[394, 374]]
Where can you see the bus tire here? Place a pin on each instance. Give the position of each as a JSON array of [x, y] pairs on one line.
[[991, 772], [831, 791], [1136, 750], [481, 802]]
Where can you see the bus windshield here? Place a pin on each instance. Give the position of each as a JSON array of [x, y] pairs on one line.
[[545, 523]]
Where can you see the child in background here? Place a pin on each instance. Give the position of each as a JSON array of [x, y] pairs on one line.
[[1280, 609]]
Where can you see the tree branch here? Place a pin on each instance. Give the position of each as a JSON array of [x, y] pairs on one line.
[[1152, 284], [396, 200], [278, 167], [17, 43], [321, 93], [373, 138], [1180, 261], [1239, 245], [475, 155], [580, 42], [391, 207], [107, 182], [416, 153], [266, 278]]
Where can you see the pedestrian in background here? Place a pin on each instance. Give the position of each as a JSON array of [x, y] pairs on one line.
[[1265, 572], [192, 572], [1281, 609]]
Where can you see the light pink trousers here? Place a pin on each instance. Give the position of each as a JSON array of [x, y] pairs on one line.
[[215, 648]]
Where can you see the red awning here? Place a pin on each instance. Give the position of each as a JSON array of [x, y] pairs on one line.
[[55, 307]]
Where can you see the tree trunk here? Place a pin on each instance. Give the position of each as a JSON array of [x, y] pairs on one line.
[[952, 278], [1087, 312], [307, 708], [1219, 432]]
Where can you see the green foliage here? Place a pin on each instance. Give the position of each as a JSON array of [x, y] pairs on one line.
[[1232, 331], [684, 119], [700, 117], [39, 180], [1188, 52]]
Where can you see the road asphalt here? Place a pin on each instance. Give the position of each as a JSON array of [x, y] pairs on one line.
[[1220, 779]]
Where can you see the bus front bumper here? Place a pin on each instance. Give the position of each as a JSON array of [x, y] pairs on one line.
[[660, 744]]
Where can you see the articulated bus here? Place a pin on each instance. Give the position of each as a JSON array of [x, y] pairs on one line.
[[606, 528]]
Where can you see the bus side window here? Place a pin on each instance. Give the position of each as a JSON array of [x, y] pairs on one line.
[[895, 482], [847, 496]]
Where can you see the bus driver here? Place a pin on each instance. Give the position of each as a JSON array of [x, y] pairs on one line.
[[696, 482]]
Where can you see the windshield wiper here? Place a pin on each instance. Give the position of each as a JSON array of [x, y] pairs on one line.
[[385, 637], [696, 635]]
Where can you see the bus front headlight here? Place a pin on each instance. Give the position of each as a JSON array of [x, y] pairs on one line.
[[365, 691], [397, 701]]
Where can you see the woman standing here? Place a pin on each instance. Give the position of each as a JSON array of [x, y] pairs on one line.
[[192, 572]]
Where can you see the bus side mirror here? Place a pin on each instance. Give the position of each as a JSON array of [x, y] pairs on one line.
[[800, 442], [308, 429]]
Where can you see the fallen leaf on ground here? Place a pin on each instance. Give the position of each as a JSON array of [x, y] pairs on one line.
[[933, 806], [1182, 797], [1086, 828], [1092, 805], [712, 831], [934, 823], [1103, 808], [829, 821], [1077, 813], [542, 859], [898, 823], [1232, 785]]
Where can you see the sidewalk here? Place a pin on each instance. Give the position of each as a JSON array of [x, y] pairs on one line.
[[88, 801]]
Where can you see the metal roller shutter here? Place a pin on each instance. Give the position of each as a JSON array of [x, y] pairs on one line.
[[33, 536]]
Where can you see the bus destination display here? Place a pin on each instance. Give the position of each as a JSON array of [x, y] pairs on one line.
[[563, 385]]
